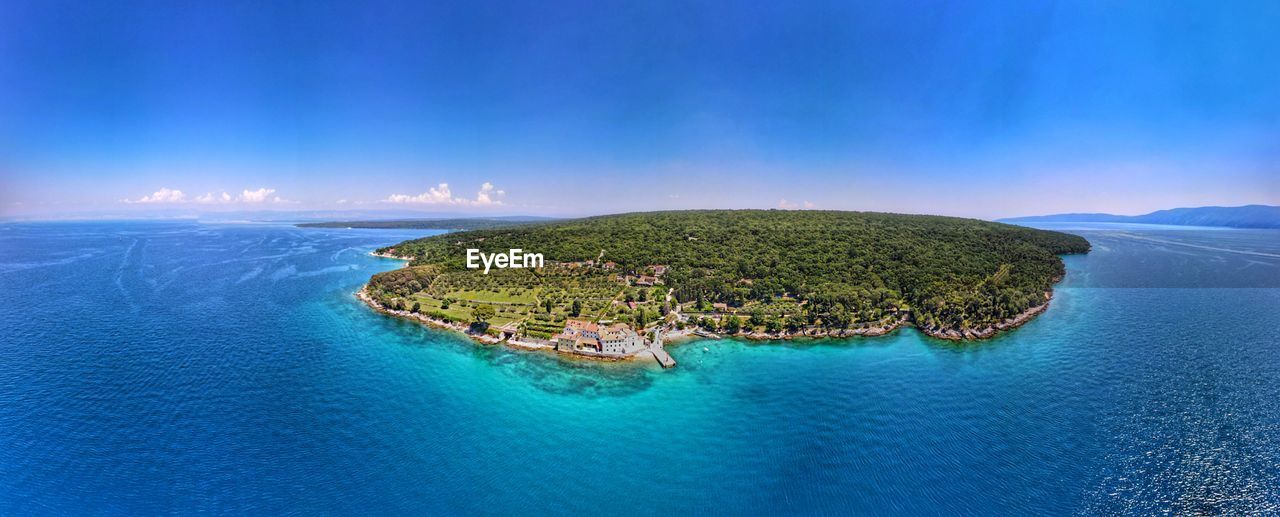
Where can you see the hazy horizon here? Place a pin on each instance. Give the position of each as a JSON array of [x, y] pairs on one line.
[[283, 214], [983, 110]]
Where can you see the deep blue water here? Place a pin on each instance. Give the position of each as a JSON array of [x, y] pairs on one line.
[[174, 367]]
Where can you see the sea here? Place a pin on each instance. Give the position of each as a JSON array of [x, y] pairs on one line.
[[183, 367]]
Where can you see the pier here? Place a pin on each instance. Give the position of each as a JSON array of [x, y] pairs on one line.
[[663, 357], [660, 354]]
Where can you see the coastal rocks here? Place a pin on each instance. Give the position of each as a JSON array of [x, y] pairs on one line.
[[940, 333], [666, 361], [984, 333], [487, 339], [478, 337], [818, 333], [390, 254]]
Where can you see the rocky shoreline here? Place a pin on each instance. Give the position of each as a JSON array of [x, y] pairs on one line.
[[363, 295], [989, 332], [939, 333], [677, 337], [947, 334], [478, 337], [389, 255], [827, 334]]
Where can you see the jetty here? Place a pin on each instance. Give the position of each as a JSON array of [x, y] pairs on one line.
[[660, 354], [663, 357]]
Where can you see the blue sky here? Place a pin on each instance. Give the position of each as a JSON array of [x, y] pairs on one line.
[[983, 109]]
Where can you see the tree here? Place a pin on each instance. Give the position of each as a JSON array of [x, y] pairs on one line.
[[810, 314], [444, 304], [576, 309], [482, 313], [795, 322], [417, 307], [733, 325], [757, 318], [837, 318], [549, 305]]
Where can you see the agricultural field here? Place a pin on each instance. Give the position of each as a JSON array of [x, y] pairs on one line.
[[537, 301]]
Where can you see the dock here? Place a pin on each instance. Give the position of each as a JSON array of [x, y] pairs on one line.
[[660, 354], [663, 357]]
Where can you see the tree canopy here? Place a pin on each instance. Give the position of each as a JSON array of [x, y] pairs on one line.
[[828, 267]]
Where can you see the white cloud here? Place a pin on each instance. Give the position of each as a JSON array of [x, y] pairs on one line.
[[342, 201], [787, 205], [441, 195], [488, 195], [261, 195], [210, 198], [435, 195], [164, 195]]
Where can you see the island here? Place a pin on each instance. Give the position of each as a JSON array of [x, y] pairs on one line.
[[619, 286]]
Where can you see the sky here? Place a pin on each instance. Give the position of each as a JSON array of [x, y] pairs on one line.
[[975, 109]]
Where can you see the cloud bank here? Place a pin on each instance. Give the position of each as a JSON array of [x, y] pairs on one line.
[[442, 195], [262, 195], [164, 195], [787, 205], [174, 196]]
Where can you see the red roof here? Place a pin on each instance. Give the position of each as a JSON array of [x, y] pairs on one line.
[[581, 325]]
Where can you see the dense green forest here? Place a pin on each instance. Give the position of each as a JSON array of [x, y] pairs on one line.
[[793, 268]]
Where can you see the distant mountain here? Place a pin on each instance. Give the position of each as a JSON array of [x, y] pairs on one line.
[[460, 223], [1248, 216]]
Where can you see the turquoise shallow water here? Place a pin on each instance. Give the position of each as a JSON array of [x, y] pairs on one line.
[[150, 367]]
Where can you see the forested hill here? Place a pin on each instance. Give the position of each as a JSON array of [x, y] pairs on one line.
[[950, 272], [1248, 216]]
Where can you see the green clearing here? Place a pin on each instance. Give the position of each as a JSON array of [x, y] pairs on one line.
[[503, 296]]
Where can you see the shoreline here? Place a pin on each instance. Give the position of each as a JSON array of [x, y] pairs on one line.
[[876, 331], [363, 295], [687, 335], [888, 328], [690, 334], [484, 339], [994, 330], [406, 260]]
